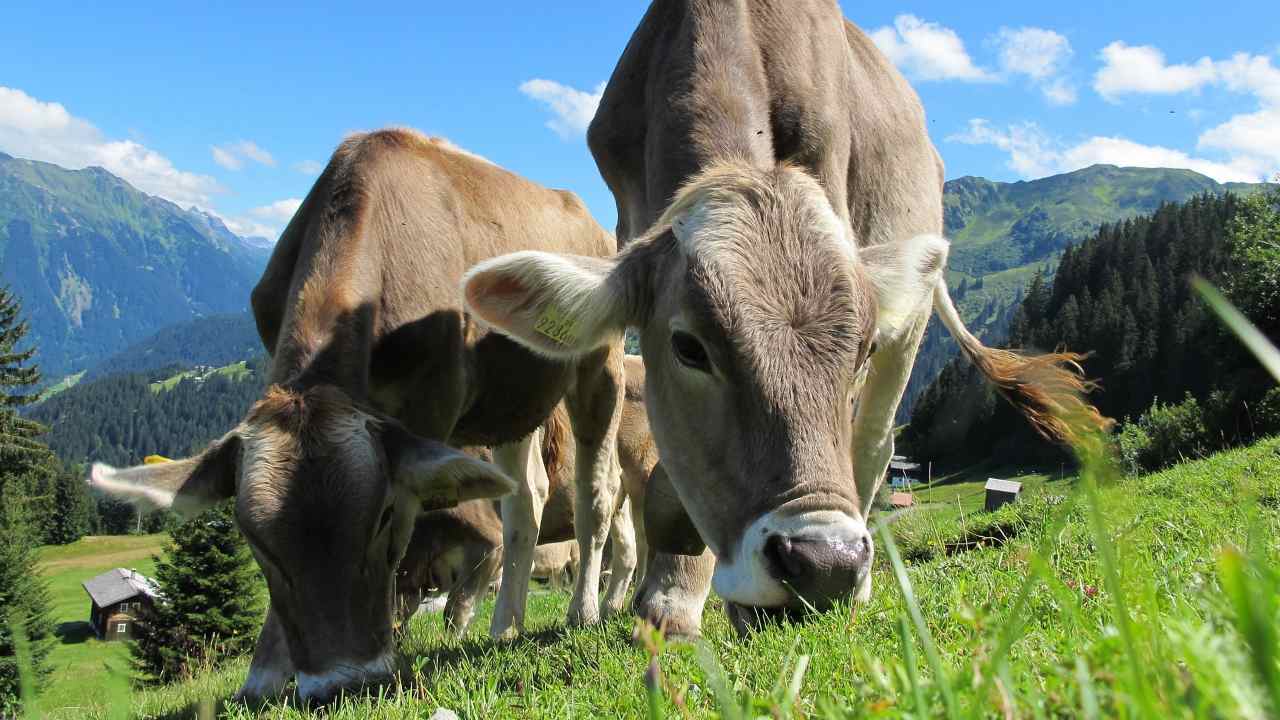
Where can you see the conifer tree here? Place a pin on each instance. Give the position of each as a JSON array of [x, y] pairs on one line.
[[24, 601], [212, 600]]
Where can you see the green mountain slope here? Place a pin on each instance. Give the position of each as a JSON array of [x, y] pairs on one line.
[[1003, 233], [99, 265]]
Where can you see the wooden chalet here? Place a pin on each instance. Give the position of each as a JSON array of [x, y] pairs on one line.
[[119, 599]]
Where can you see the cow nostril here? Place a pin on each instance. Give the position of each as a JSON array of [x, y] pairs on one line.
[[784, 562]]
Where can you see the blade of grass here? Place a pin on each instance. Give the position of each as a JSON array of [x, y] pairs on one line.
[[1250, 335], [1110, 566], [941, 676], [909, 664], [1255, 614], [1088, 698], [719, 684]]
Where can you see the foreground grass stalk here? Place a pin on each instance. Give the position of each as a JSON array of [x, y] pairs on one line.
[[941, 677]]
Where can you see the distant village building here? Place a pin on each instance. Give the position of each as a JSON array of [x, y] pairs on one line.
[[902, 500], [902, 472], [119, 599], [1001, 492]]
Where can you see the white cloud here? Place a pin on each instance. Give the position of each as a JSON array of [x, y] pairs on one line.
[[248, 227], [1059, 92], [572, 108], [1035, 52], [226, 159], [1033, 153], [46, 131], [1129, 69], [1040, 55], [1251, 140], [280, 210], [1030, 150], [232, 155], [1251, 135], [308, 167], [928, 51]]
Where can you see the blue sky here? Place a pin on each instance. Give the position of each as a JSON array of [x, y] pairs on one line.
[[235, 109]]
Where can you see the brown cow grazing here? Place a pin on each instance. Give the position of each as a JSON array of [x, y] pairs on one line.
[[780, 204], [374, 364], [459, 551]]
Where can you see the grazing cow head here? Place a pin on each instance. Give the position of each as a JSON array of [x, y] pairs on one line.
[[758, 316], [326, 494]]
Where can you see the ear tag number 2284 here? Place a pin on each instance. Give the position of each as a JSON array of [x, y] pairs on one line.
[[557, 325]]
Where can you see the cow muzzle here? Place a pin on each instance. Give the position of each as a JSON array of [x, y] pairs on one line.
[[810, 560], [345, 677]]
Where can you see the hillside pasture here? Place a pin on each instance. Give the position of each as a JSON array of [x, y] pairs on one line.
[[90, 678], [1151, 597]]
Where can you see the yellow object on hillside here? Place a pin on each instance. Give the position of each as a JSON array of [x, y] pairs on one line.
[[155, 459]]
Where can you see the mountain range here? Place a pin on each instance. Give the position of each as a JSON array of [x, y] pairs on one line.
[[113, 279], [1003, 233], [100, 265]]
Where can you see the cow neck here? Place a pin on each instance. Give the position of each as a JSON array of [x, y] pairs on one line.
[[340, 359], [725, 120]]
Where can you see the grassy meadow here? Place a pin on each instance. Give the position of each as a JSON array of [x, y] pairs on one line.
[[1149, 597], [90, 677]]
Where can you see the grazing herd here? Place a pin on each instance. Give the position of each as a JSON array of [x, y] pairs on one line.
[[778, 249]]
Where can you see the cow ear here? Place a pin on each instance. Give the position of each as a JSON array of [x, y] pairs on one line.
[[905, 275], [187, 487], [667, 526], [440, 476], [561, 306]]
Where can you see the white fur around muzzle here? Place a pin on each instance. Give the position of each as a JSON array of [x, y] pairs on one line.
[[744, 577]]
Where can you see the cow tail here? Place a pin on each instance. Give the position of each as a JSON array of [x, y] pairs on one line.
[[1050, 390]]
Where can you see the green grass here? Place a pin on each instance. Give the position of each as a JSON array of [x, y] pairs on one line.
[[1146, 597], [62, 385], [235, 371], [89, 677]]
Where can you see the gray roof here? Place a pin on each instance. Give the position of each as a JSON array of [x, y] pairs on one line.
[[903, 465], [1008, 486], [118, 585]]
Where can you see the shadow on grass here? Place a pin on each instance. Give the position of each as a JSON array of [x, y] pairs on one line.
[[74, 632], [437, 660]]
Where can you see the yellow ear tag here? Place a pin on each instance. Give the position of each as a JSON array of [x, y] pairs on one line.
[[155, 460], [557, 325]]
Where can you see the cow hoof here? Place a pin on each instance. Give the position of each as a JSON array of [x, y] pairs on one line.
[[676, 621], [582, 618]]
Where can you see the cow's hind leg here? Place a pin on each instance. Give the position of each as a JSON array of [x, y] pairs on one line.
[[595, 409], [622, 565], [873, 426], [521, 520], [673, 592]]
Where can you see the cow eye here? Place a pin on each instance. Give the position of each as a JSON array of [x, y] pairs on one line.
[[690, 352]]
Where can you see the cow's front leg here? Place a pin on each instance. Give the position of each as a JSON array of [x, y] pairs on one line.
[[521, 521], [873, 424], [673, 592], [483, 563], [622, 565], [595, 411], [272, 668]]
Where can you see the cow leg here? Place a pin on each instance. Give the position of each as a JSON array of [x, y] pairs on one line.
[[873, 425], [594, 402], [271, 668], [623, 563], [484, 562], [521, 520], [673, 592]]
